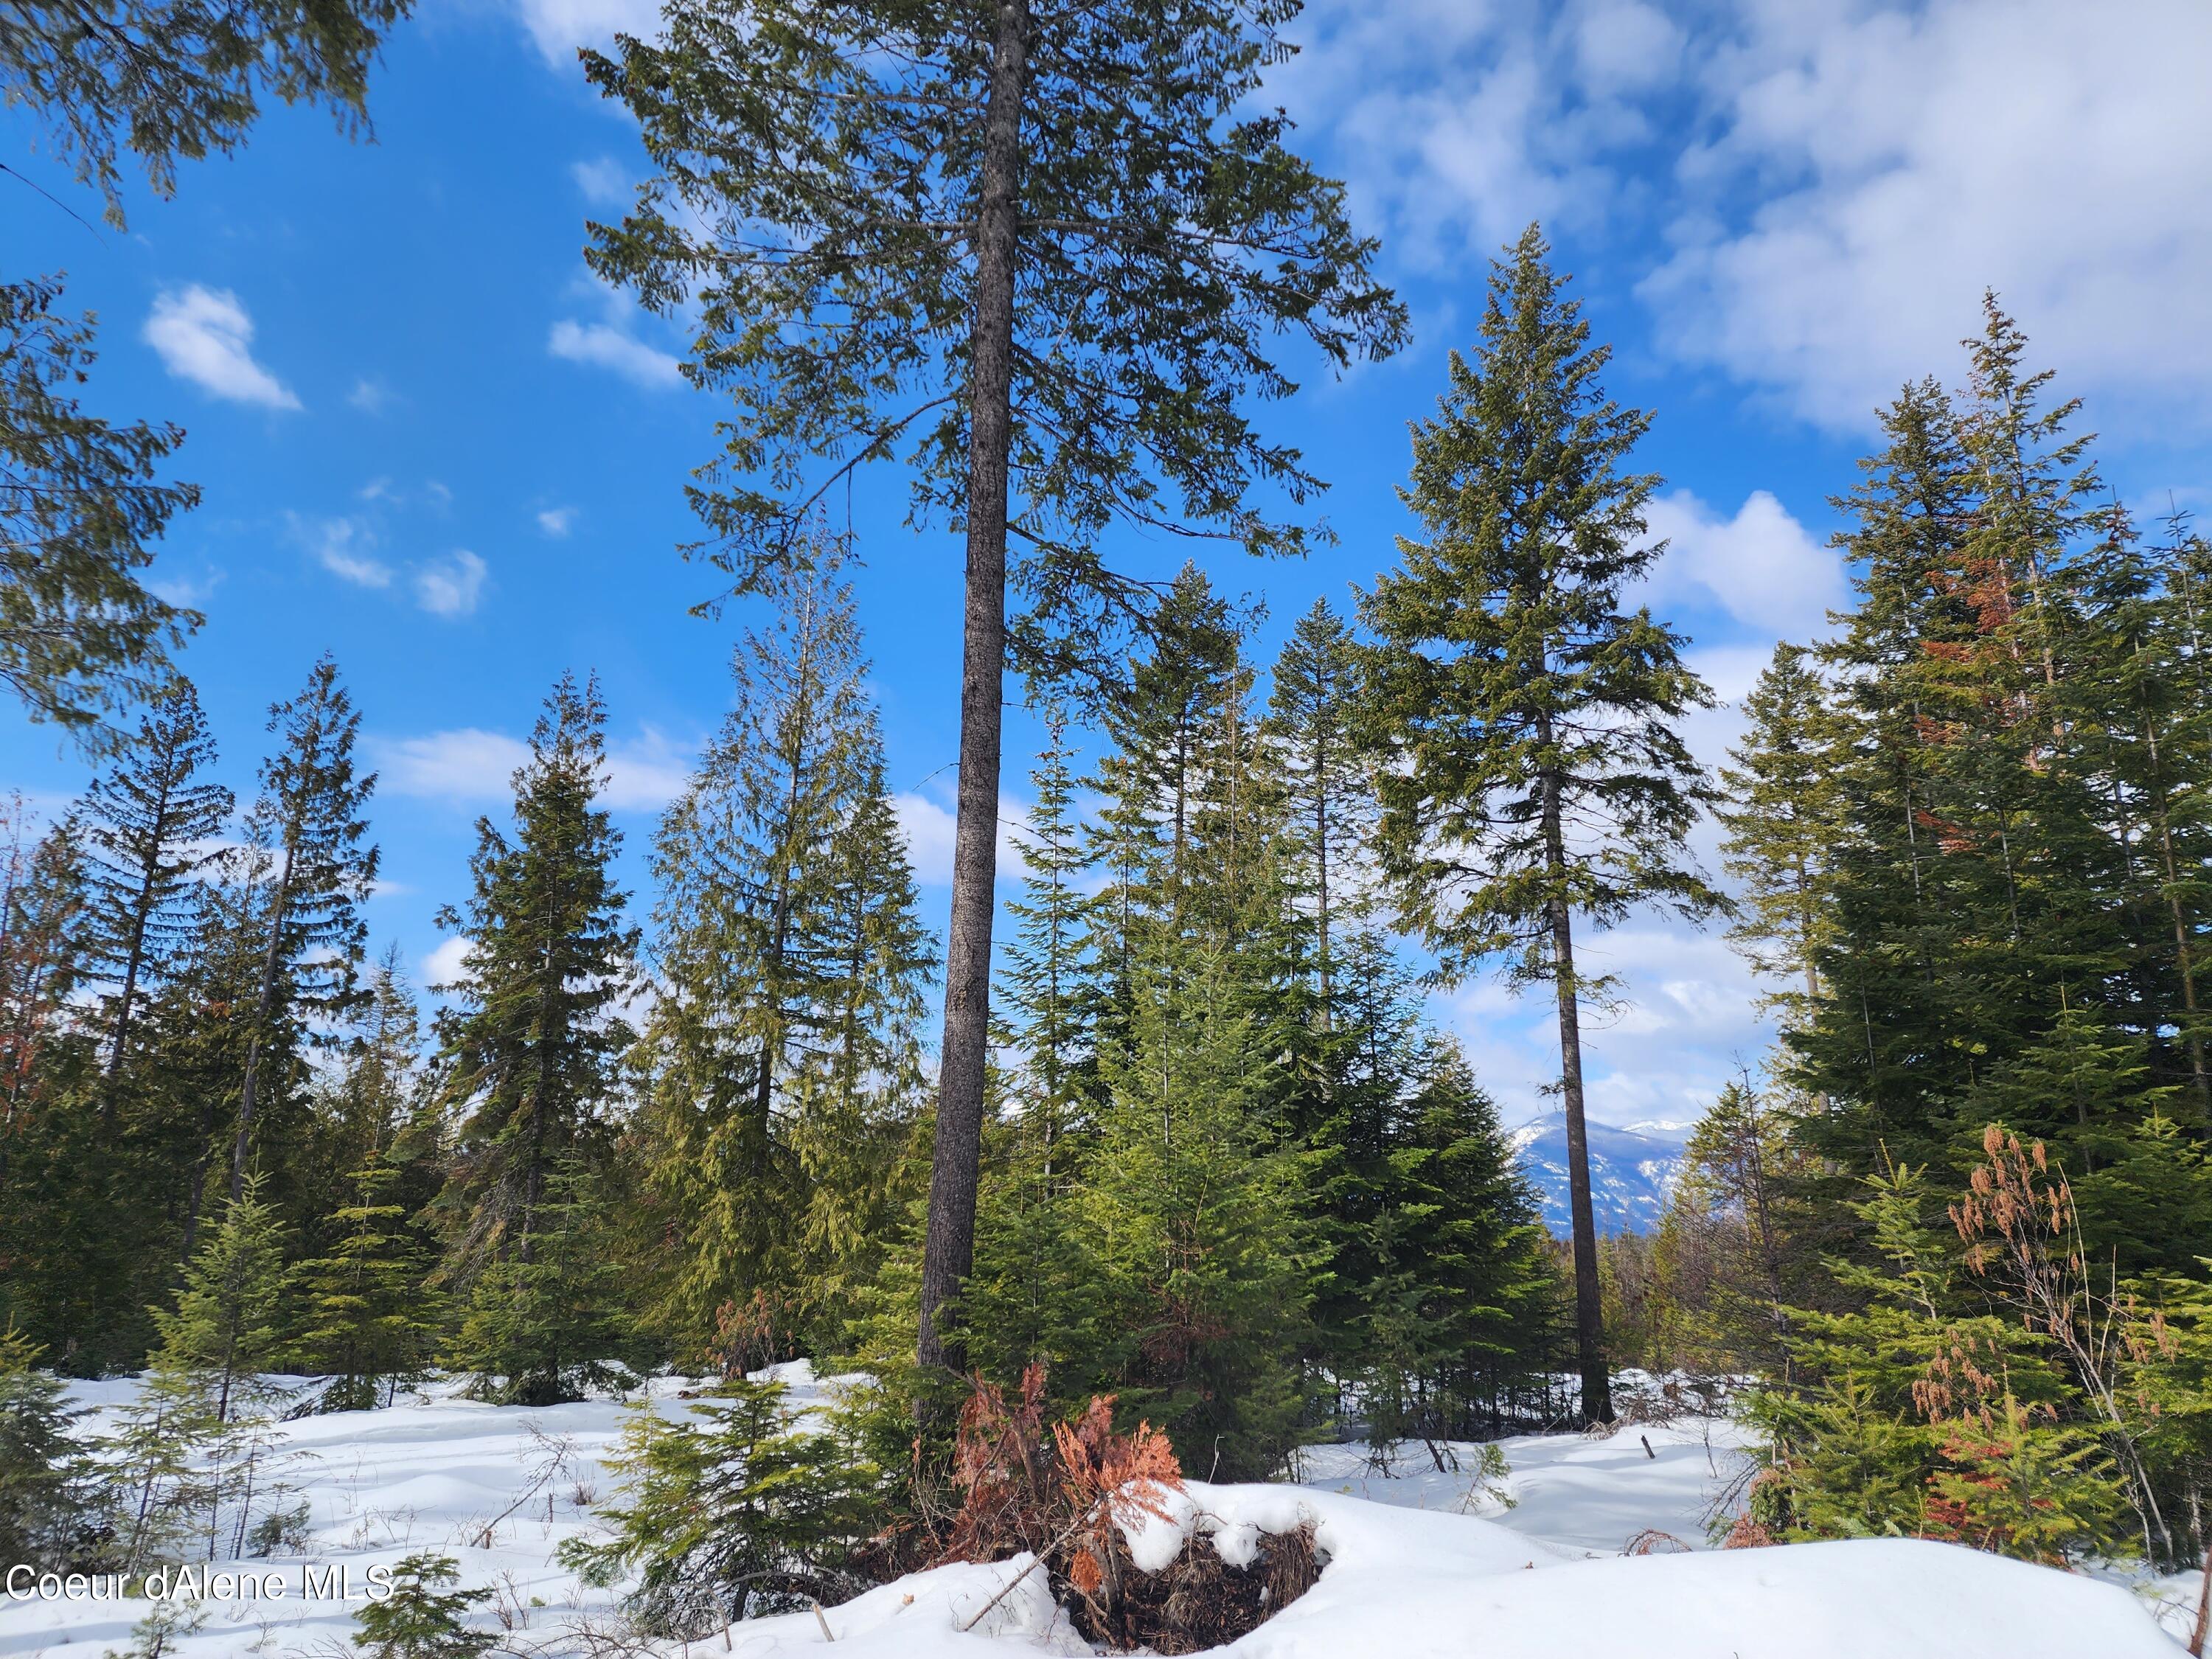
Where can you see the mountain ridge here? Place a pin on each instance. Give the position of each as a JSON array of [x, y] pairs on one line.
[[1632, 1170]]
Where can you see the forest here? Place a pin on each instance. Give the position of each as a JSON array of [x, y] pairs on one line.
[[1191, 1177]]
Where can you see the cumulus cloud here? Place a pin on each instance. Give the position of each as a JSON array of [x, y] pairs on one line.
[[930, 826], [602, 181], [204, 336], [452, 585], [1685, 1015], [1830, 187], [444, 965], [605, 346], [189, 592], [468, 766], [557, 521], [1761, 566], [645, 774], [1902, 160], [342, 547], [559, 27]]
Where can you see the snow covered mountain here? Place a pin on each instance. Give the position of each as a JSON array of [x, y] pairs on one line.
[[1631, 1170]]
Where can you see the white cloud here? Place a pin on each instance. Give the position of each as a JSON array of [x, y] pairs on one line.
[[469, 766], [1761, 566], [370, 395], [1685, 1014], [204, 336], [647, 773], [444, 965], [557, 521], [341, 546], [606, 346], [1829, 186], [930, 829], [190, 591], [602, 181], [452, 585], [1902, 160], [559, 27]]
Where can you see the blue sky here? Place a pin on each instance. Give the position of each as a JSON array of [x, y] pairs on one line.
[[431, 445]]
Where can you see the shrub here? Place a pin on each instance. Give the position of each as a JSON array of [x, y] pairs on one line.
[[419, 1620], [741, 1506], [48, 1520], [1065, 1497]]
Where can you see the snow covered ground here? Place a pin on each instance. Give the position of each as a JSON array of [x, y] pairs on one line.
[[1419, 1561]]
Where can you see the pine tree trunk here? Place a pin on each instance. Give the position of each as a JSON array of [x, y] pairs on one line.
[[949, 1248], [1589, 1304]]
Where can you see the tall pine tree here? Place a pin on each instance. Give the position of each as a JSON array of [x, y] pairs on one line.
[[783, 1048], [1532, 769], [529, 1047], [311, 868]]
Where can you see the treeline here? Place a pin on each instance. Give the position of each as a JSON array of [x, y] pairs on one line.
[[1961, 1221], [1231, 1176]]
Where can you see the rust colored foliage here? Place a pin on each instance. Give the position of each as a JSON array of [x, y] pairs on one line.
[[1065, 1493]]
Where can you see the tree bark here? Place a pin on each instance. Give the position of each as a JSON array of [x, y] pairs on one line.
[[1589, 1302], [949, 1248]]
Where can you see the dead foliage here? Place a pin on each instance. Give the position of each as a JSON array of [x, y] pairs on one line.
[[1747, 1534], [1652, 1541], [1065, 1492]]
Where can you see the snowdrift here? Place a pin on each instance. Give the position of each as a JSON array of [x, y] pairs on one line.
[[1410, 1584]]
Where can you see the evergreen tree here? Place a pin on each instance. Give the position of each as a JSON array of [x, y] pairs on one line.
[[311, 873], [68, 1278], [2137, 707], [156, 1465], [784, 1046], [1313, 720], [174, 81], [1979, 888], [1162, 725], [41, 907], [531, 1043], [546, 1325], [81, 634], [1531, 768], [1051, 995], [1783, 820], [419, 1619], [49, 1520], [1029, 1299], [1198, 1239], [367, 1320], [739, 1507], [224, 1329], [148, 825], [1123, 238], [1450, 1278]]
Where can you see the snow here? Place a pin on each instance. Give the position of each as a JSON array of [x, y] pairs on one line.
[[1418, 1560]]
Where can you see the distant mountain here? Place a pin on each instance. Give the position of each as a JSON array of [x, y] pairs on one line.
[[1631, 1170]]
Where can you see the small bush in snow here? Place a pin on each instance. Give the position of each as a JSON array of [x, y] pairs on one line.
[[736, 1507], [420, 1620]]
